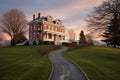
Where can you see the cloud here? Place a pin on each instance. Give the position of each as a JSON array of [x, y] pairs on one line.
[[71, 12], [75, 6], [62, 9]]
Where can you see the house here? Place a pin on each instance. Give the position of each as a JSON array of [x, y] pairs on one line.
[[46, 29]]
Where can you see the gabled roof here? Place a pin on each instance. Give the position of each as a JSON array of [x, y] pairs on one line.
[[41, 19]]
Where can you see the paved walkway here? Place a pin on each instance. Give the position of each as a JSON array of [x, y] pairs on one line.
[[64, 69]]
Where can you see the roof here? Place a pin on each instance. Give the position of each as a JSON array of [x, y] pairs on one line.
[[46, 20]]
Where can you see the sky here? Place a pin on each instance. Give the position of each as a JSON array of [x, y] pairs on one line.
[[72, 12]]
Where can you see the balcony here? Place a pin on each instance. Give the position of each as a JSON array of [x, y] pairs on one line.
[[48, 40], [53, 32]]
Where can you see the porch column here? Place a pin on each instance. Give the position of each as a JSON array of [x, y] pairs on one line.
[[56, 37], [51, 36], [62, 37]]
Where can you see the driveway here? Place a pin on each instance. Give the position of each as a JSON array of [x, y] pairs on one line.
[[64, 69]]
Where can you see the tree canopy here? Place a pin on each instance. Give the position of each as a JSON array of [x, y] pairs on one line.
[[82, 37], [14, 24], [106, 19]]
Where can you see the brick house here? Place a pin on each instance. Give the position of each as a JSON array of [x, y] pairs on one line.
[[46, 29]]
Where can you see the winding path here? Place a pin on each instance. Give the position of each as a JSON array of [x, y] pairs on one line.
[[64, 69]]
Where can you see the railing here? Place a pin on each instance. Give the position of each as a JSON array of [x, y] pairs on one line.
[[53, 32], [48, 40]]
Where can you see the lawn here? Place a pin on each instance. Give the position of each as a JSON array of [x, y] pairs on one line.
[[24, 63], [99, 63]]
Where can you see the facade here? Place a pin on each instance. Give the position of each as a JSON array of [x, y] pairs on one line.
[[46, 29]]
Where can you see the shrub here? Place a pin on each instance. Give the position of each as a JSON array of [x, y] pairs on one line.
[[52, 43], [46, 42], [41, 42], [55, 47], [74, 43], [27, 43], [73, 46], [66, 44], [34, 42], [45, 51]]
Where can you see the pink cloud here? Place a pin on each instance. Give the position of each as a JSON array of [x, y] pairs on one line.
[[65, 13], [74, 7]]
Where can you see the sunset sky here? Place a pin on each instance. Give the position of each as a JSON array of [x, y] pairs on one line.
[[71, 12]]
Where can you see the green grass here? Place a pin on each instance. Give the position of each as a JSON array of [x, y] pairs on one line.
[[99, 63], [24, 63]]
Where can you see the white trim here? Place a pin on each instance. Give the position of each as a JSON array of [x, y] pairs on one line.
[[50, 23], [53, 32], [48, 40]]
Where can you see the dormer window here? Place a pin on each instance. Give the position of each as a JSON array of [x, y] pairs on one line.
[[49, 18], [46, 19], [54, 22], [58, 22]]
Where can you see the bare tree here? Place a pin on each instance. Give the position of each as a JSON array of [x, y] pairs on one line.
[[89, 38], [1, 36], [71, 35], [106, 17], [14, 24]]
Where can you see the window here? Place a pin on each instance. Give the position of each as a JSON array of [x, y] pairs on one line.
[[50, 36], [45, 19], [34, 35], [57, 22], [30, 36], [38, 35], [32, 28]]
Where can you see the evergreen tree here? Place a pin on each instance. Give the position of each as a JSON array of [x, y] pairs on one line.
[[106, 17], [112, 33], [82, 37]]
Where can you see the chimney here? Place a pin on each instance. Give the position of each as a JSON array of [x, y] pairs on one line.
[[33, 16], [38, 15]]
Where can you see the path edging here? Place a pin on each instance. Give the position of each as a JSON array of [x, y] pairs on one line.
[[77, 66], [52, 65], [52, 69]]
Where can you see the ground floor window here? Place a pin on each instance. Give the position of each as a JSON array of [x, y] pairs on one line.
[[50, 36]]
